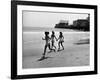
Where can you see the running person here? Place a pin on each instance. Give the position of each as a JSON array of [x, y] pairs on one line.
[[60, 41], [47, 43], [53, 37]]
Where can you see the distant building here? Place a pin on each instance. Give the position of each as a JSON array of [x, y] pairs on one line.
[[88, 18], [79, 24], [62, 24], [82, 24]]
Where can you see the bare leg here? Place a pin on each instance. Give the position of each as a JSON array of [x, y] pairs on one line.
[[58, 45], [50, 48], [53, 45], [44, 50], [62, 45]]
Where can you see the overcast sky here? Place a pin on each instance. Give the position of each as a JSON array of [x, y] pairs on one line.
[[48, 19]]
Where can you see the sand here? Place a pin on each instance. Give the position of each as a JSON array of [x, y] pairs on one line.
[[76, 52]]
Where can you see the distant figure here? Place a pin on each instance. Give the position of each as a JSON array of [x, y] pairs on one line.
[[60, 41], [47, 43], [53, 37]]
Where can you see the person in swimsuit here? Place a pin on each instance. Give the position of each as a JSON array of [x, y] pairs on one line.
[[47, 43], [53, 37], [60, 41]]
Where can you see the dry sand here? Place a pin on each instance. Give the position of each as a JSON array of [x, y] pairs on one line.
[[73, 55]]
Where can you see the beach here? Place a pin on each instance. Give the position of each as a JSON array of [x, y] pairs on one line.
[[76, 52]]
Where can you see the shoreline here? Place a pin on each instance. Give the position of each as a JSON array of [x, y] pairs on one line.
[[31, 29]]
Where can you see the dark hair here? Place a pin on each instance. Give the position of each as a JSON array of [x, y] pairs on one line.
[[46, 33], [53, 32], [61, 34]]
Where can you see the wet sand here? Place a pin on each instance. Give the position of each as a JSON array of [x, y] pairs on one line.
[[76, 52]]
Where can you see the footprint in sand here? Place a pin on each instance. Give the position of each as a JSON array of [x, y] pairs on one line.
[[87, 55], [77, 57], [71, 54]]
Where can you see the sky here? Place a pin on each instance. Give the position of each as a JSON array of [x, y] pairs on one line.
[[48, 19]]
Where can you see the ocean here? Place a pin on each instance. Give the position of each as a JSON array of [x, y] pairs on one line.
[[39, 29]]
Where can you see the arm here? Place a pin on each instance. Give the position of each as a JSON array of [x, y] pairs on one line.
[[49, 38], [43, 38], [56, 38], [63, 37]]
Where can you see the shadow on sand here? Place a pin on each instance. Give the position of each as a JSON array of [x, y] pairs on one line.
[[44, 58], [81, 43], [60, 50], [85, 41]]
